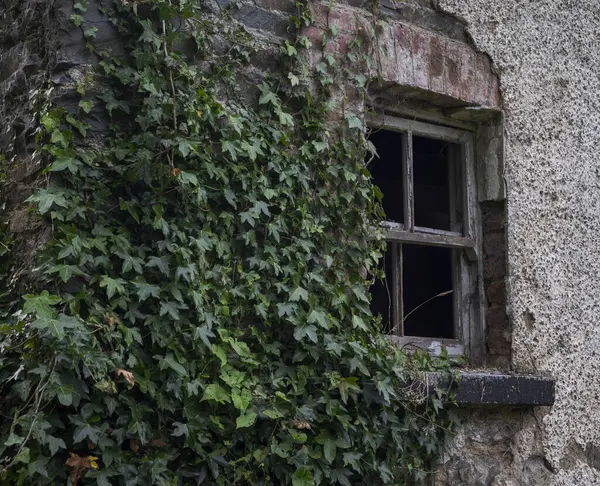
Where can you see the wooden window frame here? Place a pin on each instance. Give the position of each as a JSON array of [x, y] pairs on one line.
[[464, 241]]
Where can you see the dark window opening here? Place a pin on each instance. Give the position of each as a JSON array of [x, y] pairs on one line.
[[381, 292], [386, 171], [433, 170], [427, 291], [422, 172], [425, 288]]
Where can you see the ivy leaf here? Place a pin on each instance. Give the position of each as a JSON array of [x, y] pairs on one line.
[[216, 393], [13, 439], [170, 308], [90, 33], [204, 333], [229, 147], [272, 414], [51, 120], [66, 163], [130, 262], [40, 305], [354, 121], [47, 198], [56, 327], [293, 79], [64, 393], [184, 147], [241, 399], [160, 263], [286, 309], [352, 459], [329, 450], [23, 456], [311, 331], [170, 362], [54, 444], [38, 466], [84, 432], [319, 317], [220, 353], [86, 106], [268, 96], [146, 290], [359, 323], [112, 285], [341, 476], [245, 420], [299, 294], [302, 477], [180, 429]]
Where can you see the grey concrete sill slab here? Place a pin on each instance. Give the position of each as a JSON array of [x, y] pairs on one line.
[[493, 388]]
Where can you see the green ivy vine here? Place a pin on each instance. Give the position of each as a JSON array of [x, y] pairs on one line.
[[203, 315]]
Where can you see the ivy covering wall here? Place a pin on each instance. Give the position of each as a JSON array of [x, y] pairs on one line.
[[200, 312]]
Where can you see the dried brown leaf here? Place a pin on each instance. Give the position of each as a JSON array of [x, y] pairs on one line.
[[79, 465], [127, 375], [157, 443], [300, 425]]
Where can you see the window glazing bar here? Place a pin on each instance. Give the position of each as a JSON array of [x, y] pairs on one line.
[[407, 180]]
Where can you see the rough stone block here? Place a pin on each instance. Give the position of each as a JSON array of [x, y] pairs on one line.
[[281, 5], [261, 19]]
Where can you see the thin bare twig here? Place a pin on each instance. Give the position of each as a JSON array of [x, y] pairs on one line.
[[441, 294], [39, 396]]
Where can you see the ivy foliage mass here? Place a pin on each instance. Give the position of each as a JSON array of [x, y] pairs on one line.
[[203, 315]]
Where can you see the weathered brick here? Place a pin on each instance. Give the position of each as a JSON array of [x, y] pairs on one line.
[[494, 242], [501, 361], [498, 342], [400, 68], [429, 61], [493, 216], [342, 17], [496, 317], [495, 292], [494, 266]]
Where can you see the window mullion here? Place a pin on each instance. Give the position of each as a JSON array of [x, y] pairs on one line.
[[468, 188], [397, 326], [407, 180]]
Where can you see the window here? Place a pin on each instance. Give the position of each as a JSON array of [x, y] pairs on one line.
[[430, 295]]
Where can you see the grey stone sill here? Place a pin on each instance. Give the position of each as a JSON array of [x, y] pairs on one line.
[[477, 388]]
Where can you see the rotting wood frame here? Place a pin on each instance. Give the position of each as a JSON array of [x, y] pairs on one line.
[[464, 239]]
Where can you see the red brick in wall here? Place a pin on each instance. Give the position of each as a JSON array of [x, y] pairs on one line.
[[414, 57]]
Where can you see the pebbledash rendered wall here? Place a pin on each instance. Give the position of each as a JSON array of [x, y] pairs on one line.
[[547, 56], [527, 75]]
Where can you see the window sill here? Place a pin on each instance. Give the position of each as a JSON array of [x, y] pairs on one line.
[[495, 388], [433, 346]]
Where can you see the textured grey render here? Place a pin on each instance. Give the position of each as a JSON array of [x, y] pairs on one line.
[[547, 55]]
